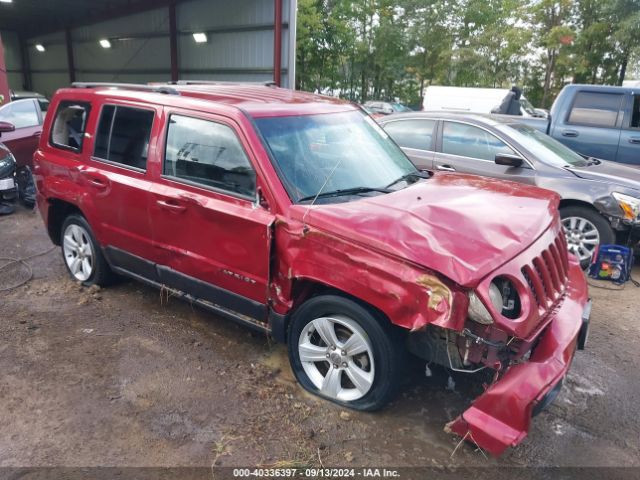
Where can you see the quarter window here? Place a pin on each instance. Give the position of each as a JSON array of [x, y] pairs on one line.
[[415, 134], [123, 135], [595, 109], [69, 125], [21, 114], [207, 153], [469, 141]]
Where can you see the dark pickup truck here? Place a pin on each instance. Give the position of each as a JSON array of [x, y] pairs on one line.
[[596, 121]]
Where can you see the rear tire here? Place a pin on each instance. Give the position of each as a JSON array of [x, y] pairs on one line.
[[342, 351], [81, 253], [585, 229]]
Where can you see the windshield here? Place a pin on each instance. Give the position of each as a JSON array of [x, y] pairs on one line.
[[398, 107], [542, 146], [349, 149]]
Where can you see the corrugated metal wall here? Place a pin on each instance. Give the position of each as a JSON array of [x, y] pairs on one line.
[[239, 46], [13, 60]]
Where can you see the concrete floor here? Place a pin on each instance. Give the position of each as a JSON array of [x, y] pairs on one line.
[[125, 377]]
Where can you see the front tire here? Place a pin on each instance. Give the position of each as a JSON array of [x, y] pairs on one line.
[[82, 254], [341, 351], [585, 229]]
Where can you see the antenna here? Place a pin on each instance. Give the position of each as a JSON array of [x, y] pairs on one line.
[[304, 217]]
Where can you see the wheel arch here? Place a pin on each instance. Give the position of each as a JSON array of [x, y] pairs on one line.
[[58, 211]]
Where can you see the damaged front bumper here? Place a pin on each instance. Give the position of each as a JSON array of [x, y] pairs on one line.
[[501, 416]]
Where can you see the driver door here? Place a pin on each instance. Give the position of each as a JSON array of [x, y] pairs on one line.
[[467, 148], [211, 238]]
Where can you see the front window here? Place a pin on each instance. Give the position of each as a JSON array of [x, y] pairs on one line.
[[332, 152], [465, 140], [542, 146]]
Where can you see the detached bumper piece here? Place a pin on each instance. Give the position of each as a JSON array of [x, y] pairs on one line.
[[501, 416], [7, 195]]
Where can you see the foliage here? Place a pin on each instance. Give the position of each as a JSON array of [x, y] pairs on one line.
[[384, 49]]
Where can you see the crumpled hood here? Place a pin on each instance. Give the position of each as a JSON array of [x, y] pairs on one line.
[[612, 173], [462, 226]]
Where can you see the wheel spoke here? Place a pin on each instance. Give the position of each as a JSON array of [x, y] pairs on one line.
[[312, 353], [331, 383], [70, 243], [86, 266], [355, 345], [326, 330], [75, 265], [361, 379]]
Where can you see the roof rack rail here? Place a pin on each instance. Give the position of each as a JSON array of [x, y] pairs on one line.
[[268, 83], [128, 86]]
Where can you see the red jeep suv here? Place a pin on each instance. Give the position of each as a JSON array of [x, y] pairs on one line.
[[297, 215]]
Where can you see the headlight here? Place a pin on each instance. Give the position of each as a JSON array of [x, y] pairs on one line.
[[504, 298], [477, 311], [629, 205]]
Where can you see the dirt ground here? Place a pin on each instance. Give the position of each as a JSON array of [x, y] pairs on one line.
[[124, 377]]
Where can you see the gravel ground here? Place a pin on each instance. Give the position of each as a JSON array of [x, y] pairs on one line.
[[124, 377]]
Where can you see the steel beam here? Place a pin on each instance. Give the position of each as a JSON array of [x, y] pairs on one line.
[[173, 41], [70, 63], [277, 42]]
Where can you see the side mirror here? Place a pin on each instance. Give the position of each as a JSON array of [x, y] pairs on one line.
[[509, 160], [6, 127]]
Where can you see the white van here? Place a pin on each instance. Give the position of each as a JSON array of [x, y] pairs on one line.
[[473, 100]]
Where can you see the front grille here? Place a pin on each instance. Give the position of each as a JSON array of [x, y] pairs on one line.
[[547, 274]]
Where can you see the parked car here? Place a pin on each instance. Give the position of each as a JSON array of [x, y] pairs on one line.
[[253, 202], [600, 200], [27, 118], [26, 114], [472, 100], [596, 121], [385, 108], [7, 174], [43, 102]]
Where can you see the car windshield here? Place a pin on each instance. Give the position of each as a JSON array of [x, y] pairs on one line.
[[398, 107], [543, 147], [333, 152]]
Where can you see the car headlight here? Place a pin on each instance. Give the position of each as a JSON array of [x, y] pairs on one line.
[[478, 312], [629, 205], [503, 296]]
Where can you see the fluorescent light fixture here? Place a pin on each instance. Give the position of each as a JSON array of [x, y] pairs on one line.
[[104, 43], [6, 1], [200, 37], [39, 46]]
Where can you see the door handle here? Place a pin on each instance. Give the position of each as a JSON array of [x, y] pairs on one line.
[[95, 180], [569, 133], [634, 140], [190, 200], [446, 168], [171, 206]]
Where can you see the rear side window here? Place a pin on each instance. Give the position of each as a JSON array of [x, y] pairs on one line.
[[412, 133], [207, 153], [595, 109], [21, 114], [69, 125], [635, 114], [123, 136]]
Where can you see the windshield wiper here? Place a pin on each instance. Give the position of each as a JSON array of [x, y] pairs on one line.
[[407, 176], [346, 191]]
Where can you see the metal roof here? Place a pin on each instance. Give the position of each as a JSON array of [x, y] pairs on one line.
[[40, 16]]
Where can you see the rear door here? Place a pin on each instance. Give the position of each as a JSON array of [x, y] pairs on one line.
[[416, 137], [467, 148], [212, 238], [592, 124], [629, 149], [26, 116], [116, 179]]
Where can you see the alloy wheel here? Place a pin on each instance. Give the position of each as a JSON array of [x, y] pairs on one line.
[[582, 236], [78, 252], [337, 356]]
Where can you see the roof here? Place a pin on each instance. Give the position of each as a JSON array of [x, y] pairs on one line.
[[480, 118], [255, 99]]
